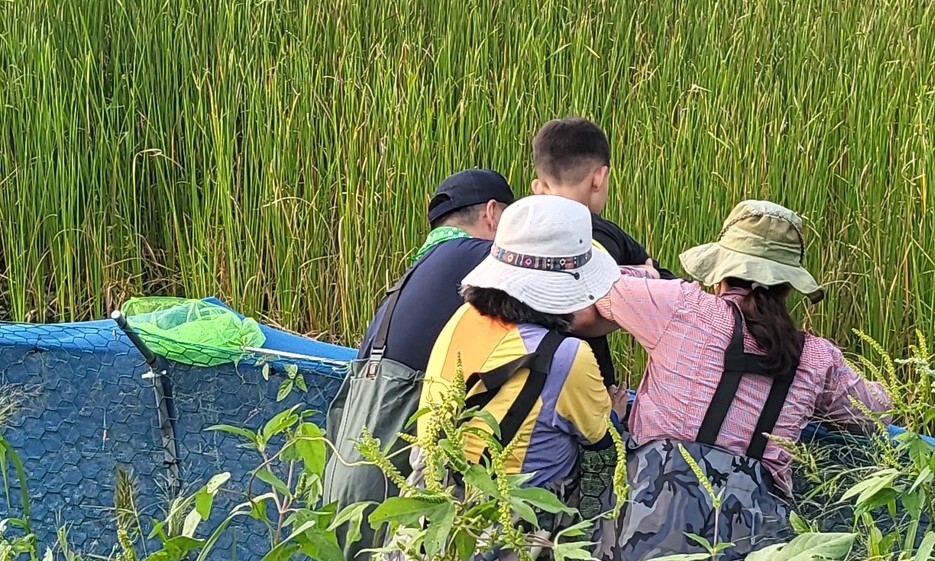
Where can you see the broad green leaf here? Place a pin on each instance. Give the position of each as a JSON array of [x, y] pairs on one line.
[[266, 476], [465, 544], [353, 516], [477, 476], [924, 477], [265, 372], [282, 552], [573, 550], [919, 452], [913, 503], [292, 371], [885, 497], [436, 535], [488, 419], [205, 497], [700, 540], [311, 448], [308, 535], [799, 525], [684, 557], [524, 511], [417, 415], [519, 479], [321, 547], [871, 486], [808, 547], [179, 546], [191, 523], [246, 434], [300, 383], [542, 499], [284, 388], [925, 548], [406, 511], [280, 422]]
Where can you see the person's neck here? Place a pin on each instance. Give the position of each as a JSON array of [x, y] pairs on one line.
[[575, 193], [471, 229]]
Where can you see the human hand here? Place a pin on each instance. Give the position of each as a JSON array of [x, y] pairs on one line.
[[619, 398], [648, 267]]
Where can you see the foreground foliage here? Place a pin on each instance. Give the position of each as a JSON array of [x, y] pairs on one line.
[[860, 499]]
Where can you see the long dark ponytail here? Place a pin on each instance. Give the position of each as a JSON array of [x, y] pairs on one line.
[[769, 322]]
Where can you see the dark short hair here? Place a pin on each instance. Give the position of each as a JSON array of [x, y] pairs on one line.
[[563, 147], [464, 216], [496, 304]]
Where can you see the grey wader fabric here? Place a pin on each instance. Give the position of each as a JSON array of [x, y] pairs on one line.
[[381, 395], [667, 501]]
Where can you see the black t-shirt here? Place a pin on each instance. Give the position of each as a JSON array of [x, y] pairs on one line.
[[625, 251], [427, 302]]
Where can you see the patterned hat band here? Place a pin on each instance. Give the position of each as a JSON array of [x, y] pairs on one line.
[[538, 263]]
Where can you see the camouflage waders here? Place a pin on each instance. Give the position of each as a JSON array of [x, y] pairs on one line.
[[667, 501]]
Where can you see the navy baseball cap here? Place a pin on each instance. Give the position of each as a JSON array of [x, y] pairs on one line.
[[467, 188]]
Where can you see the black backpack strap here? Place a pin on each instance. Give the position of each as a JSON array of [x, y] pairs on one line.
[[494, 379], [378, 347], [773, 407], [734, 362], [532, 389], [539, 364]]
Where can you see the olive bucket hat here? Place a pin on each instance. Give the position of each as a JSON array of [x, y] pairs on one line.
[[760, 242]]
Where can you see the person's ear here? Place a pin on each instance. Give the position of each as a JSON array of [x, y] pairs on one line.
[[599, 179], [492, 214], [539, 187]]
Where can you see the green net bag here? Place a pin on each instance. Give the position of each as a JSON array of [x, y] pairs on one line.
[[192, 331]]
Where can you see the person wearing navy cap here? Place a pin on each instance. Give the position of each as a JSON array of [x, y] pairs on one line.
[[382, 388]]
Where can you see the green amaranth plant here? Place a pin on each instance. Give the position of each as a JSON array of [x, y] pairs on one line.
[[435, 519]]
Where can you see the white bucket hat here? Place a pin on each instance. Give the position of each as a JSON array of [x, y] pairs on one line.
[[544, 257]]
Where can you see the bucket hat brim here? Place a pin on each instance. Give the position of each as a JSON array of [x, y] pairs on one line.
[[550, 292], [711, 263]]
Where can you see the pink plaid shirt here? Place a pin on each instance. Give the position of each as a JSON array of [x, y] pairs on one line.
[[686, 331]]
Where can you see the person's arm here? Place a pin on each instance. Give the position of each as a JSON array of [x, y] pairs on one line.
[[583, 405], [843, 384], [644, 306]]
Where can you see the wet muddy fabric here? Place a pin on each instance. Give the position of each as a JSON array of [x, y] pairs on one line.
[[666, 502]]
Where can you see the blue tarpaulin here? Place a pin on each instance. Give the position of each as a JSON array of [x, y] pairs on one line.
[[92, 412]]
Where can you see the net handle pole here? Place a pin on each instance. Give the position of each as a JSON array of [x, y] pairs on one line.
[[160, 392], [134, 337]]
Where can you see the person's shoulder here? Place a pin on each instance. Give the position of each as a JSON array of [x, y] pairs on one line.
[[461, 254], [820, 353], [459, 247], [599, 223]]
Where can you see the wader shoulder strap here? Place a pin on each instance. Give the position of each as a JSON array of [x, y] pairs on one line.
[[738, 363], [773, 407], [539, 364], [379, 340]]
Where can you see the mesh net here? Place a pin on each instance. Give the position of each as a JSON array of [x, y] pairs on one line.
[[88, 411], [192, 332]]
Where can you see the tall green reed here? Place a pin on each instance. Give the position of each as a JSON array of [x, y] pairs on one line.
[[280, 155]]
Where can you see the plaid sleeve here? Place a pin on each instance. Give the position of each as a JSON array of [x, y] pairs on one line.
[[644, 306], [841, 385]]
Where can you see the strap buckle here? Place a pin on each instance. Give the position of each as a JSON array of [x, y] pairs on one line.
[[373, 363]]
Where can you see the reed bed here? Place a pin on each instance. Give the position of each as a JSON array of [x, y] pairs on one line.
[[280, 155]]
